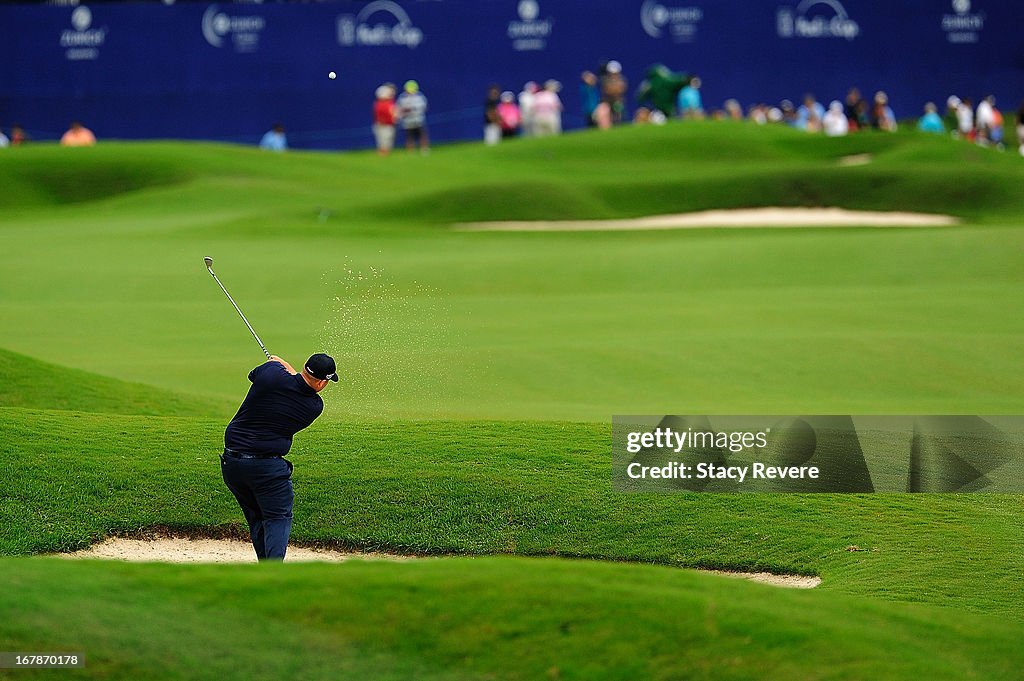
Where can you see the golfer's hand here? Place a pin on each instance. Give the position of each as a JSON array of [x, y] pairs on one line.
[[286, 365]]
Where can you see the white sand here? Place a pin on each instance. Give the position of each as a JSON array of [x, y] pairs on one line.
[[788, 581], [182, 550], [855, 160], [746, 217]]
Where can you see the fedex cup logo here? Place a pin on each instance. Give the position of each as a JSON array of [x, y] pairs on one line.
[[681, 22], [380, 24], [816, 19]]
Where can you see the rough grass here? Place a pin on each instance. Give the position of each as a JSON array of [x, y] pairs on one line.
[[485, 618], [498, 487]]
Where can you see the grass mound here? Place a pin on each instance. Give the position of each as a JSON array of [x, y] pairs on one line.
[[50, 175], [494, 618], [31, 383], [691, 166], [497, 487]]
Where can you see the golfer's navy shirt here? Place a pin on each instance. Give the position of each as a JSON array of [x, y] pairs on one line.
[[277, 406]]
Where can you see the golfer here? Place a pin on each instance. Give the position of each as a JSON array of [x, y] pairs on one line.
[[280, 403]]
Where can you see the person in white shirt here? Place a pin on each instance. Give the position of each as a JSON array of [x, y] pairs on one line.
[[547, 110], [834, 121], [985, 119], [526, 98], [965, 119]]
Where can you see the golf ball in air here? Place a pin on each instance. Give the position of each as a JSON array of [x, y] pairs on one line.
[[332, 75]]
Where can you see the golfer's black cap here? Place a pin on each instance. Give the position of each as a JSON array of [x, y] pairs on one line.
[[323, 367]]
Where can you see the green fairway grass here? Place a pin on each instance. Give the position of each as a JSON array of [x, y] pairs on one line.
[[480, 372], [461, 619], [541, 326]]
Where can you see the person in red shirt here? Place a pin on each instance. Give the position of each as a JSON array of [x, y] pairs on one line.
[[384, 119], [18, 135]]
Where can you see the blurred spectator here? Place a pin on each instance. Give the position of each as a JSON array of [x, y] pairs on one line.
[[4, 141], [412, 111], [965, 118], [590, 97], [834, 122], [1020, 129], [983, 116], [645, 116], [547, 110], [788, 113], [930, 121], [613, 90], [733, 110], [78, 136], [384, 115], [526, 98], [758, 113], [809, 115], [660, 88], [492, 122], [882, 116], [274, 139], [690, 104], [997, 125], [508, 114], [863, 114], [18, 135], [989, 122], [603, 116], [950, 118], [855, 110]]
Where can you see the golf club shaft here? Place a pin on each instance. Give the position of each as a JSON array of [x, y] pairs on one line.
[[235, 305]]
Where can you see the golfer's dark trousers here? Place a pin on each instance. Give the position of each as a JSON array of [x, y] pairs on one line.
[[263, 488]]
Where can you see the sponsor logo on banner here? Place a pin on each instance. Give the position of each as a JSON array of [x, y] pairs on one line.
[[963, 25], [82, 41], [529, 31], [816, 19], [379, 24], [680, 23], [240, 31]]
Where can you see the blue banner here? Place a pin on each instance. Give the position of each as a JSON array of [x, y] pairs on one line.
[[227, 72]]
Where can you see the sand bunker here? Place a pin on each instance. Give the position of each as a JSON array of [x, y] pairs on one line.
[[788, 581], [184, 550], [746, 217], [855, 160]]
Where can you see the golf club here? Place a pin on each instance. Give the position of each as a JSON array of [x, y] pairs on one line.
[[209, 265]]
